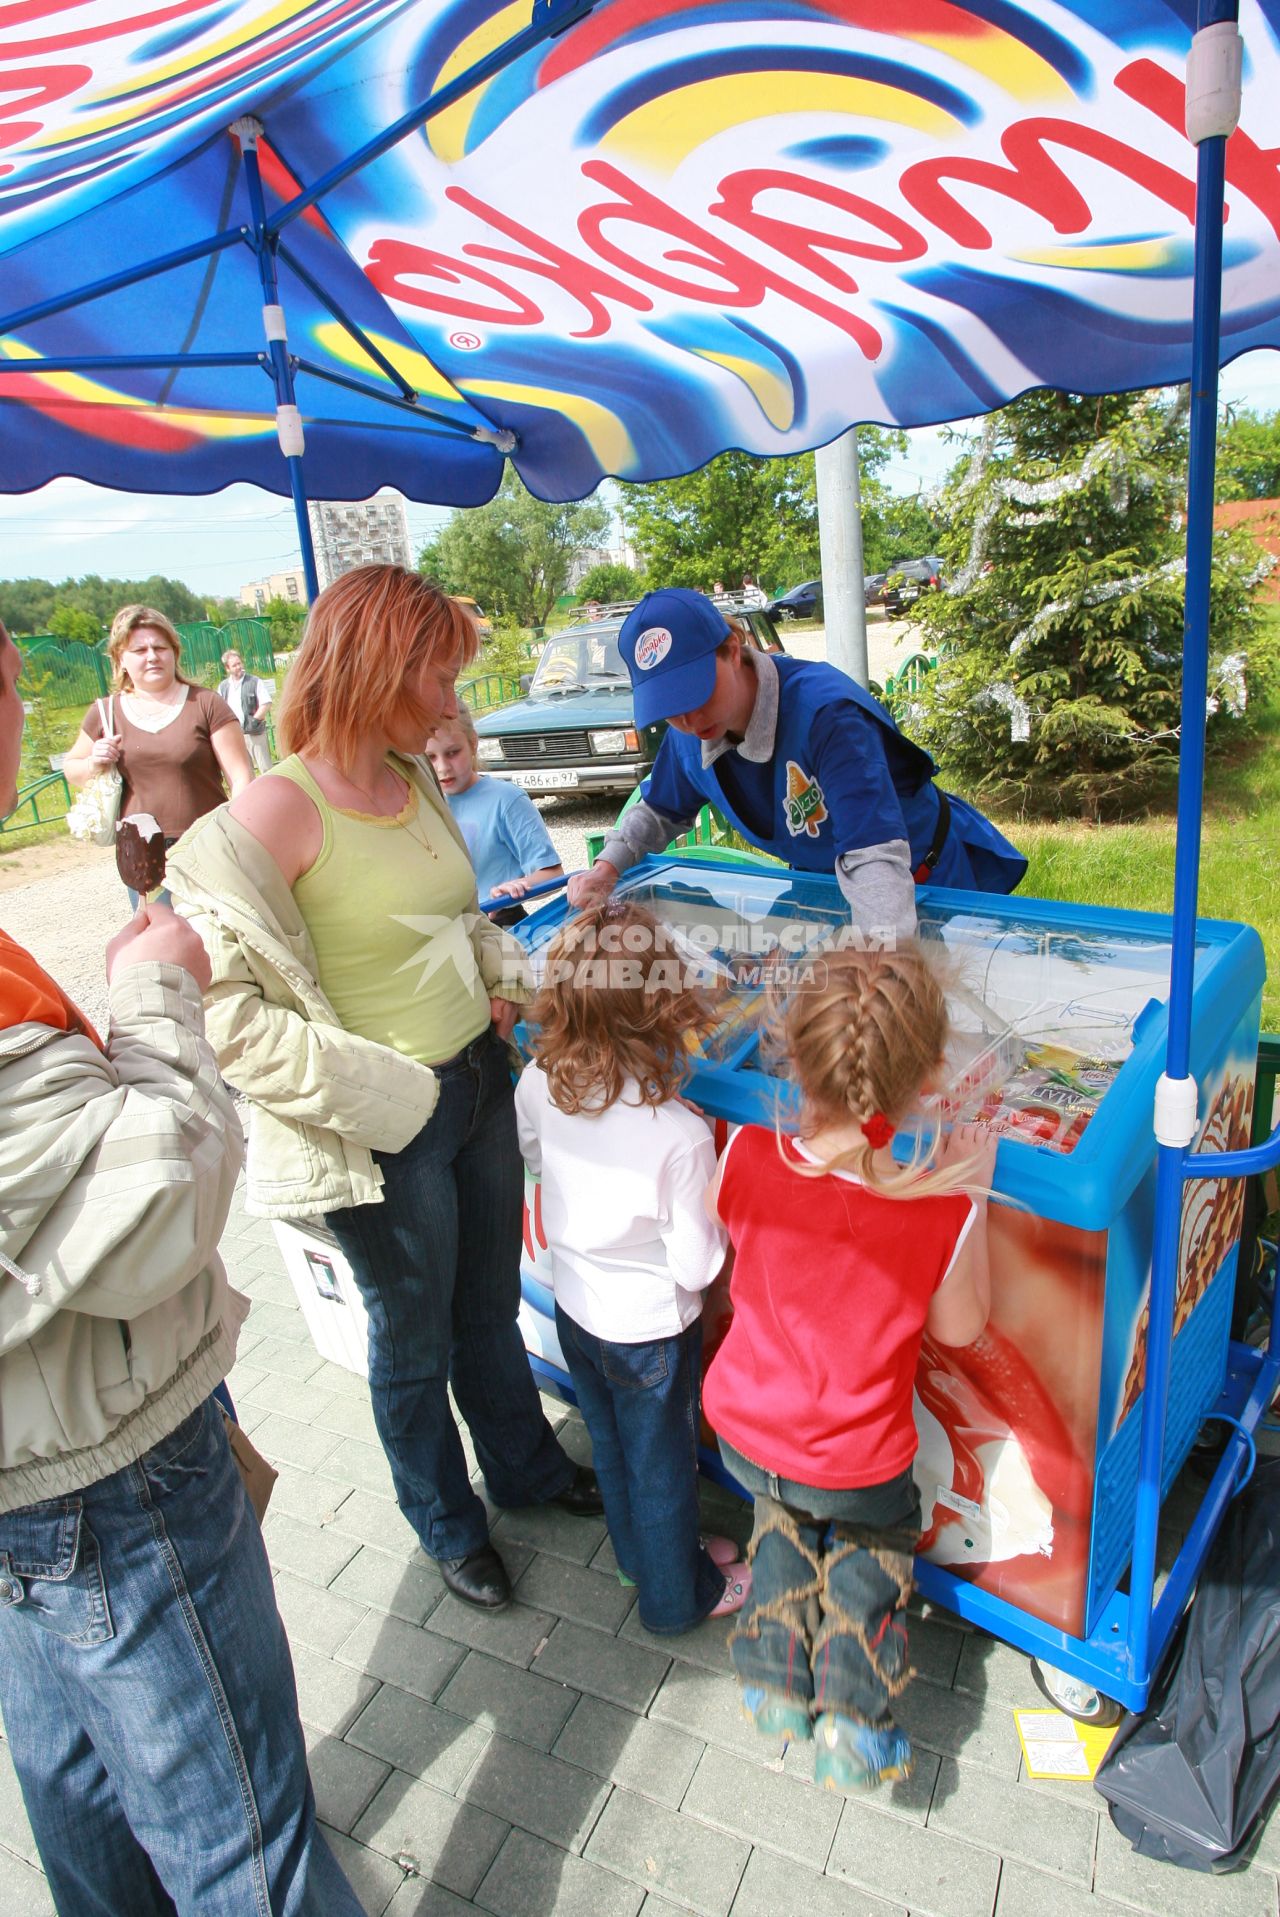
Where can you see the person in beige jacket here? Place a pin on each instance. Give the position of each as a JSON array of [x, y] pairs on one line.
[[145, 1681], [362, 1003]]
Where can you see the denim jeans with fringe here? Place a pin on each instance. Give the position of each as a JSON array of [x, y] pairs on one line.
[[830, 1576]]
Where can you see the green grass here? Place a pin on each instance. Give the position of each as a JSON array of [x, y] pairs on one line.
[[32, 835], [1132, 865]]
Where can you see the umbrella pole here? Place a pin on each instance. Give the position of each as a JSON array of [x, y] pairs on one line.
[[1212, 112], [844, 603], [288, 419]]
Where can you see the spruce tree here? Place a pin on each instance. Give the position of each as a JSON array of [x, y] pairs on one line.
[[1061, 627]]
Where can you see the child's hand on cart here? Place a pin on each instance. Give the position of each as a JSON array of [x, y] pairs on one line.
[[972, 1148]]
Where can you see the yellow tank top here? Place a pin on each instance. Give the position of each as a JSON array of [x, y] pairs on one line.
[[382, 905]]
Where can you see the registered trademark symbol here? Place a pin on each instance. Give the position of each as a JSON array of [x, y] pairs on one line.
[[465, 342]]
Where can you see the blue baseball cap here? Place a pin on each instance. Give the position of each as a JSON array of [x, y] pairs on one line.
[[669, 643]]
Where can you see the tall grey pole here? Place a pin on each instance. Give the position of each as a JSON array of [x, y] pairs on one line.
[[840, 537]]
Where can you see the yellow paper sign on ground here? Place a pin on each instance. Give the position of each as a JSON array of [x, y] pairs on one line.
[[1054, 1745]]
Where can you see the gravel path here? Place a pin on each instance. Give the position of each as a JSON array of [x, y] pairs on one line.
[[72, 901], [65, 918]]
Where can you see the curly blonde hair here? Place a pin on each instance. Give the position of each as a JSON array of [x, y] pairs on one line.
[[615, 1004], [866, 1042]]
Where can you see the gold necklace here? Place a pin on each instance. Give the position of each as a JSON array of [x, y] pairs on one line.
[[362, 790], [415, 828], [419, 836]]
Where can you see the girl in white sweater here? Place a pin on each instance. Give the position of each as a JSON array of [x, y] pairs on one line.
[[624, 1163]]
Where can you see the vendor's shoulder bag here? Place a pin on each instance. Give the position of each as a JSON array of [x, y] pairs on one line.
[[92, 815]]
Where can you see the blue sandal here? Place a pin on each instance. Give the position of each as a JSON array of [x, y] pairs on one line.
[[776, 1716], [852, 1756]]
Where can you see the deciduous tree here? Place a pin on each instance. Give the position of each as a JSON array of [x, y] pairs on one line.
[[28, 605], [1248, 455], [741, 515], [609, 581], [514, 554]]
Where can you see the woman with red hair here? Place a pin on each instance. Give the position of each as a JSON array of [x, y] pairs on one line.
[[361, 1001]]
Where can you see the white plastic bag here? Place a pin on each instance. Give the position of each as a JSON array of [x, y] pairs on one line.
[[92, 815]]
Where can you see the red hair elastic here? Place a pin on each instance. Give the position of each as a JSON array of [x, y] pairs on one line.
[[877, 1130]]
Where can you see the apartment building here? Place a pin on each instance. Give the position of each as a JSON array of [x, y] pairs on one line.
[[370, 532]]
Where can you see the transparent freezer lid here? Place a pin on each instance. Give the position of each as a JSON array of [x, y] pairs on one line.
[[1042, 1015]]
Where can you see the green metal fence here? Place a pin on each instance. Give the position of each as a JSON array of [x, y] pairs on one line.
[[39, 804], [487, 691], [203, 645], [908, 681], [64, 676], [68, 676]]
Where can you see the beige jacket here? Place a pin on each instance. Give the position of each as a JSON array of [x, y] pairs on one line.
[[323, 1100], [116, 1177]]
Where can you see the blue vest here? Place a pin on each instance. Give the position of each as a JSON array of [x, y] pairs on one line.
[[975, 856]]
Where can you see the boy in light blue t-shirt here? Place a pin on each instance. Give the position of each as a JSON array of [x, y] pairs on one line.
[[510, 846]]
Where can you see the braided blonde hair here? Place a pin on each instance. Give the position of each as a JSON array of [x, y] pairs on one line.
[[866, 1042]]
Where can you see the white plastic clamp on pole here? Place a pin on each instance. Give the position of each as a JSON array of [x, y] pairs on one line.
[[247, 130], [289, 431], [273, 323], [500, 436], [1214, 66], [1177, 1110]]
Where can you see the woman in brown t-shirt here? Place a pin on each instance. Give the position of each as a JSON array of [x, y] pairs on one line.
[[175, 743]]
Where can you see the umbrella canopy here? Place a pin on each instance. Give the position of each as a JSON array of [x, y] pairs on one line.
[[665, 231]]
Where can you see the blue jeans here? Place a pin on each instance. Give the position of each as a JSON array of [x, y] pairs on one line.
[[149, 1699], [438, 1267], [830, 1575], [640, 1405]]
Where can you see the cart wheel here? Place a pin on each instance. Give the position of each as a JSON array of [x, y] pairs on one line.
[[1075, 1696]]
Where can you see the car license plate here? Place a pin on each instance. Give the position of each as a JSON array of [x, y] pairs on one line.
[[544, 781]]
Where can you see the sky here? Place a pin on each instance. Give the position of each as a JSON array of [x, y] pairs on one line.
[[217, 543]]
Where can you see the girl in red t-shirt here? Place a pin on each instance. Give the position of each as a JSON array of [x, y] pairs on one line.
[[844, 1259]]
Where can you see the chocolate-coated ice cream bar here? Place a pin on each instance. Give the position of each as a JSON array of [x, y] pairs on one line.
[[140, 853]]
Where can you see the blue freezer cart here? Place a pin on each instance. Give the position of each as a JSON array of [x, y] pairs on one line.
[[1028, 1459]]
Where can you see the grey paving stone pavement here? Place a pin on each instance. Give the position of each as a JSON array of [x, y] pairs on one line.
[[558, 1761]]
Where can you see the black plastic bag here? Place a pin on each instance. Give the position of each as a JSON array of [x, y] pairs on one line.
[[1189, 1781]]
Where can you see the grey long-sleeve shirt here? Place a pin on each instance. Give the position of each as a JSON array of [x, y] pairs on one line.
[[876, 880]]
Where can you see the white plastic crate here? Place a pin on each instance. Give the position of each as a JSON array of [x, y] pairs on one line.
[[327, 1292]]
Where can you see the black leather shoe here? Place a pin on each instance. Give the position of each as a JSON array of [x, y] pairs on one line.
[[581, 1496], [479, 1578]]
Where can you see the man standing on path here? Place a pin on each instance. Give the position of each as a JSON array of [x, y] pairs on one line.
[[248, 698], [145, 1681]]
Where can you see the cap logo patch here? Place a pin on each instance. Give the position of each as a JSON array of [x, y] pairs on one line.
[[652, 647]]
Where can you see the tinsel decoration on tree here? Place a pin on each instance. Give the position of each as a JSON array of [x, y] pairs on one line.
[[1060, 631]]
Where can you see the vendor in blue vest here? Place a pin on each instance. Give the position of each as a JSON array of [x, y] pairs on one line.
[[802, 763]]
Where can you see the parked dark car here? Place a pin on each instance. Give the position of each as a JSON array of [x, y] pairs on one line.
[[924, 574], [889, 589], [575, 730], [802, 602], [905, 580]]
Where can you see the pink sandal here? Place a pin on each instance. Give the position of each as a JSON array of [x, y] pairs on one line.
[[737, 1585], [722, 1551]]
